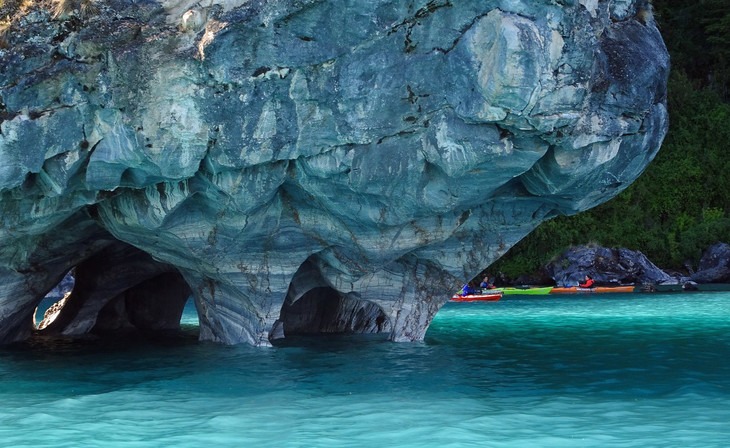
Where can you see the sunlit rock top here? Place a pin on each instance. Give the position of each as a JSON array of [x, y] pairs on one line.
[[366, 157]]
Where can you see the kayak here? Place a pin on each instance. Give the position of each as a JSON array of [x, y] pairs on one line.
[[478, 297], [576, 289], [526, 291]]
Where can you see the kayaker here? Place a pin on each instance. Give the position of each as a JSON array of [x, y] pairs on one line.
[[588, 283], [485, 284], [467, 289]]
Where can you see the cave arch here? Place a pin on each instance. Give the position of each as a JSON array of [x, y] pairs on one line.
[[324, 310], [119, 288]]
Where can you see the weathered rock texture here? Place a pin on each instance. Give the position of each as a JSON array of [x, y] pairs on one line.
[[605, 266], [714, 265], [376, 151], [62, 288]]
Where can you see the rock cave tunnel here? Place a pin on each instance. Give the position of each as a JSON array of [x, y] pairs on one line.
[[120, 290], [396, 195]]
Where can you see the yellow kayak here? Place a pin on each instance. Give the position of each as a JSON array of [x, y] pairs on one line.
[[541, 290]]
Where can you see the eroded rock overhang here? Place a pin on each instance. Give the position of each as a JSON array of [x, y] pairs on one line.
[[364, 157]]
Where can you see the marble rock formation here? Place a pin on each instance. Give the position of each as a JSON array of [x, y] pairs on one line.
[[65, 286], [605, 266], [714, 265], [366, 157]]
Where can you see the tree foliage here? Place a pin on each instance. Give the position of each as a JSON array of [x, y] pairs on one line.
[[679, 206]]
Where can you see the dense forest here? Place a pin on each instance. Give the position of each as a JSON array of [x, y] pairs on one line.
[[680, 205]]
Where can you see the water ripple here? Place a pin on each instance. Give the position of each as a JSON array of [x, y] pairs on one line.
[[621, 371]]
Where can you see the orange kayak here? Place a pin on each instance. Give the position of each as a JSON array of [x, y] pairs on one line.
[[575, 289], [480, 297]]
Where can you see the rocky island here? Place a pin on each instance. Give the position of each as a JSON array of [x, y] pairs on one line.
[[303, 165]]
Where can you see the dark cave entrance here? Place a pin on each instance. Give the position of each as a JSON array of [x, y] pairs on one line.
[[323, 310], [117, 292]]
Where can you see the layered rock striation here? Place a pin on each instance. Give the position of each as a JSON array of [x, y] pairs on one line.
[[363, 157]]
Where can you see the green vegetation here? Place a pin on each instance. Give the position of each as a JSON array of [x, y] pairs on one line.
[[65, 7], [11, 10], [681, 204], [8, 10]]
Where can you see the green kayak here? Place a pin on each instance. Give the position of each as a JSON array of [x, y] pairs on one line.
[[542, 290]]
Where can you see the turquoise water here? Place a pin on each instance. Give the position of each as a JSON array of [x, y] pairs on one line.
[[648, 370]]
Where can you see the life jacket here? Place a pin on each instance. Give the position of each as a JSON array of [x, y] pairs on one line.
[[587, 284]]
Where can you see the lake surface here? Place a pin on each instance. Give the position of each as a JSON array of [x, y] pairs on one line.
[[638, 370]]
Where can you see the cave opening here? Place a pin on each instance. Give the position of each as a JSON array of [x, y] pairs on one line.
[[49, 308], [323, 310], [120, 292]]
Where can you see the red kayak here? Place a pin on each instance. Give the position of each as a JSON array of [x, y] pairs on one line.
[[574, 289], [478, 297]]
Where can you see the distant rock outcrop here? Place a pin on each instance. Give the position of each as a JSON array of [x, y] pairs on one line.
[[250, 152], [605, 266], [714, 265], [65, 286]]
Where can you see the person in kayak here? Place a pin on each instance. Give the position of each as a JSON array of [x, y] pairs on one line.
[[485, 284], [467, 289], [588, 283]]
